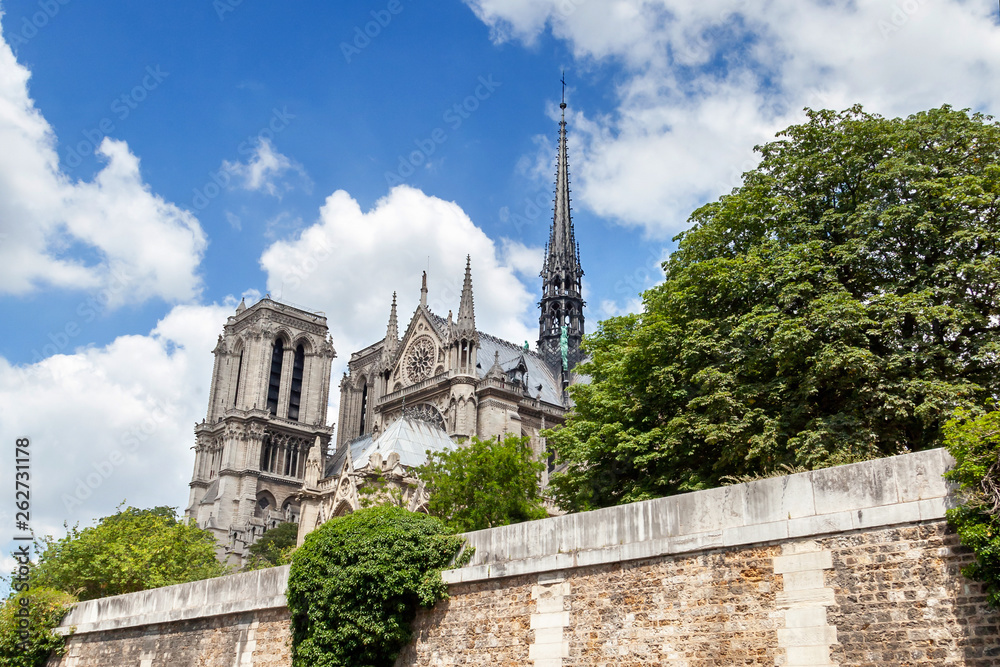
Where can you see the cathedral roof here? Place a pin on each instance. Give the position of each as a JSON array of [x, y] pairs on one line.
[[410, 438], [510, 353], [538, 372], [211, 493], [336, 462]]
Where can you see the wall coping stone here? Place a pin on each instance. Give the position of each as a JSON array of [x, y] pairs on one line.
[[884, 492], [232, 594]]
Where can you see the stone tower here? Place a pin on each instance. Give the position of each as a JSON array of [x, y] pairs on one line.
[[266, 409], [562, 296]]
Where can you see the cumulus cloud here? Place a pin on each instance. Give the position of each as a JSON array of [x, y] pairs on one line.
[[701, 83], [267, 171], [112, 423], [49, 224], [349, 262]]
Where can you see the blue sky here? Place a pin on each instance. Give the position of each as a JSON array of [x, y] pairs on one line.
[[159, 161]]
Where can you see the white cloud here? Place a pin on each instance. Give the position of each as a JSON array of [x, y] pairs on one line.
[[112, 423], [702, 83], [46, 218], [350, 262], [265, 171]]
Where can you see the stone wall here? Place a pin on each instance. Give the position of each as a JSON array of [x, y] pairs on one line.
[[847, 566]]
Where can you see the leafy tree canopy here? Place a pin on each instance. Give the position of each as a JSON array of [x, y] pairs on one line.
[[27, 621], [484, 483], [357, 581], [974, 441], [132, 550], [837, 306], [274, 547]]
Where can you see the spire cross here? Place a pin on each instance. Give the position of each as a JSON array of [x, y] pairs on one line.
[[563, 81]]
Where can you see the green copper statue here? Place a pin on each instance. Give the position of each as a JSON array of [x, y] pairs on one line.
[[564, 347]]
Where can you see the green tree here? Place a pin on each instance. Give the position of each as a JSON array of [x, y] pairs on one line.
[[27, 621], [974, 441], [357, 581], [484, 483], [837, 306], [132, 550], [274, 547]]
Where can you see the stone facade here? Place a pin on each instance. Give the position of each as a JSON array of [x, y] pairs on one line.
[[266, 421], [266, 410], [461, 381], [261, 639], [861, 570]]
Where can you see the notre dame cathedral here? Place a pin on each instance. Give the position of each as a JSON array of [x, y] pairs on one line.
[[265, 455]]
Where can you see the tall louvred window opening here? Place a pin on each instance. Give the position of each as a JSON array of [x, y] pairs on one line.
[[295, 396], [274, 385], [239, 374], [364, 408]]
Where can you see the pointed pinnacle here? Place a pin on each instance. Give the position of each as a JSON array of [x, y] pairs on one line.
[[392, 329], [466, 308]]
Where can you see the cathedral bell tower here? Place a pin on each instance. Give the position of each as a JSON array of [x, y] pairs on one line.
[[560, 324], [266, 409]]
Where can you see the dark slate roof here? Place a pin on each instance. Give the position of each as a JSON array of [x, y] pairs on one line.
[[538, 372]]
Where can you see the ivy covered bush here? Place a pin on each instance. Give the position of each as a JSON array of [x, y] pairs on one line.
[[45, 609], [974, 441], [357, 582]]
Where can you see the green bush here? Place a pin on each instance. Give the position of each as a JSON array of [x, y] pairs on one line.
[[45, 609], [274, 547], [132, 550], [357, 581], [484, 484], [974, 441]]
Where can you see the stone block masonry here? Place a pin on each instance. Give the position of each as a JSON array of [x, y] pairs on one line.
[[847, 566]]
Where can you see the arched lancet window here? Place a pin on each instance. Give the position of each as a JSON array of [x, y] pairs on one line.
[[267, 455], [239, 374], [291, 459], [274, 385], [295, 396]]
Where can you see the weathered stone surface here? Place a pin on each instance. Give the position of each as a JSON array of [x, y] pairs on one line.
[[901, 600], [865, 580], [260, 639]]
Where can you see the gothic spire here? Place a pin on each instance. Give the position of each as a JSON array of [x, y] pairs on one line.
[[561, 321], [561, 253], [466, 309]]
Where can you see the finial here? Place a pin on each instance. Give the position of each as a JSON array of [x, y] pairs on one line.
[[423, 289], [562, 105]]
